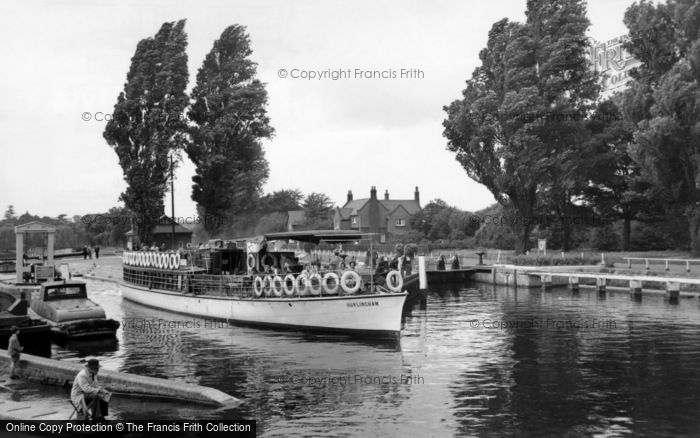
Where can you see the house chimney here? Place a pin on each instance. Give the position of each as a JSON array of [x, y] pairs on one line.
[[386, 195], [373, 193], [349, 195], [416, 196]]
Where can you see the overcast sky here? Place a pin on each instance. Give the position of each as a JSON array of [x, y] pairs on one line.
[[65, 58]]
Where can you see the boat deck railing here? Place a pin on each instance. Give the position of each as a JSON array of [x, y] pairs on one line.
[[317, 283]]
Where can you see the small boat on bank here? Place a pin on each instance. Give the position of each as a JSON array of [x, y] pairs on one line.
[[243, 282], [33, 333], [65, 306]]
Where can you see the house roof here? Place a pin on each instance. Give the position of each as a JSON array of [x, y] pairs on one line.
[[344, 212], [164, 226], [412, 206]]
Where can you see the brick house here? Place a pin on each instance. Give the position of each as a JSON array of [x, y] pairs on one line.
[[390, 218]]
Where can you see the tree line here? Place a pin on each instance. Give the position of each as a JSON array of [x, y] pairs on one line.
[[632, 156]]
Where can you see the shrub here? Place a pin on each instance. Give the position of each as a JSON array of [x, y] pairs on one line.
[[540, 260]]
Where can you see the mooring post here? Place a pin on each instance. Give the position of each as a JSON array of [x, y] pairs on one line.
[[600, 284], [687, 266], [646, 263], [667, 265], [629, 263], [546, 282], [573, 283], [673, 291], [636, 288], [422, 282]]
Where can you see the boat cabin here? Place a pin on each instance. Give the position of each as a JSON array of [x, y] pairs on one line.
[[63, 290]]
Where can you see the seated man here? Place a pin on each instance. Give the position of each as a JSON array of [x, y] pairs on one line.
[[86, 385]]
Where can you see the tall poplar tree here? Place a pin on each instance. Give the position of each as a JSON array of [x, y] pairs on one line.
[[522, 110], [230, 120], [664, 102], [148, 122]]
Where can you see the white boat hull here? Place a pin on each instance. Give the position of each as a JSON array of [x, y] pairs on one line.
[[371, 314]]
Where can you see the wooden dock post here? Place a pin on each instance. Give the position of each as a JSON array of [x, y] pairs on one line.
[[673, 291], [636, 288], [600, 283], [573, 283], [546, 281]]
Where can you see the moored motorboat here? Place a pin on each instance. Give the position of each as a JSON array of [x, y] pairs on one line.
[[65, 306], [241, 282], [33, 333]]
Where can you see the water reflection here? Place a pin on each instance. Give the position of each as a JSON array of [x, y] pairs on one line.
[[477, 361]]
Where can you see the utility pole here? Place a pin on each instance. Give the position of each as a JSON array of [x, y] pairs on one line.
[[172, 205]]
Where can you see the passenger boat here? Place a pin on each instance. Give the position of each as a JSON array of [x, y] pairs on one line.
[[246, 282], [65, 306]]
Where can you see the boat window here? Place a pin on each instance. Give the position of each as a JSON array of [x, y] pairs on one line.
[[65, 292]]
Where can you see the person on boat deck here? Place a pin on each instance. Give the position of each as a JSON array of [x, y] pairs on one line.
[[86, 385], [14, 349]]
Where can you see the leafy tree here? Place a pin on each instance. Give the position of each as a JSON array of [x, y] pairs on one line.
[[317, 205], [516, 120], [281, 201], [147, 122], [318, 209], [617, 188], [272, 222], [664, 102], [230, 120], [10, 214]]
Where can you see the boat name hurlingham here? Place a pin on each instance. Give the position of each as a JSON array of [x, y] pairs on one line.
[[363, 304]]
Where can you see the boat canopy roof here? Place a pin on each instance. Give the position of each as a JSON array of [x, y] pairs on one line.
[[316, 236]]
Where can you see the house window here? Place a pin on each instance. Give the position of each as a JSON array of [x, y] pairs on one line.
[[354, 220], [400, 222]]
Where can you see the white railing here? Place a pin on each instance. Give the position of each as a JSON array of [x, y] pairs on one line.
[[666, 262]]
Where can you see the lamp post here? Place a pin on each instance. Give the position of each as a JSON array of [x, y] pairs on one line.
[[172, 205]]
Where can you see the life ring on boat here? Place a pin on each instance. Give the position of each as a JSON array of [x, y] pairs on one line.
[[265, 258], [130, 259], [166, 261], [150, 256], [394, 281], [160, 261], [176, 261], [277, 286], [258, 286], [142, 259], [268, 285], [331, 283], [301, 284], [289, 285], [250, 261], [315, 284], [350, 281]]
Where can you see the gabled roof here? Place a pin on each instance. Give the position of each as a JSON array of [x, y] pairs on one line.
[[344, 213], [35, 226], [411, 205], [397, 208], [355, 205]]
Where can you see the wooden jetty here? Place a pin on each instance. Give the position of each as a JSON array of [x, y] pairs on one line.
[[636, 282], [61, 373]]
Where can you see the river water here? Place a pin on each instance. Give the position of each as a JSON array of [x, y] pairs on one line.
[[477, 361]]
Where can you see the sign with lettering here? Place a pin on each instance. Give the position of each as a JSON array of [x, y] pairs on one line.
[[612, 60]]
